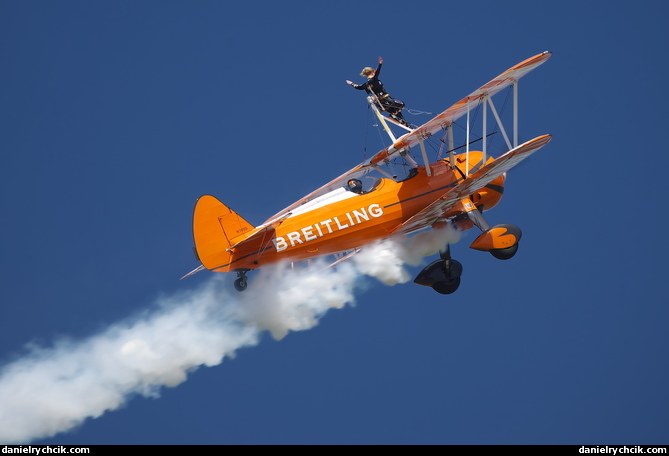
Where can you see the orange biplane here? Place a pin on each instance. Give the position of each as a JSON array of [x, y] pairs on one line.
[[344, 215]]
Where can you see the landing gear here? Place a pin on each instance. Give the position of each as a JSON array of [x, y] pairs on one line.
[[240, 283], [447, 287], [500, 240], [505, 254], [442, 275]]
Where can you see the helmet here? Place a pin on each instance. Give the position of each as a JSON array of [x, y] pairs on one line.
[[355, 185]]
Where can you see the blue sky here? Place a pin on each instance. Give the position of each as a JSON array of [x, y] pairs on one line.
[[117, 116]]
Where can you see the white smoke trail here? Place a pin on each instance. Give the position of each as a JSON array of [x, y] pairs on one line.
[[52, 390]]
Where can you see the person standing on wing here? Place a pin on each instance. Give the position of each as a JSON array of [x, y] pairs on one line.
[[374, 86]]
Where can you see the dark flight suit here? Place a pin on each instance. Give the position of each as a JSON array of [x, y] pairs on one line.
[[374, 86]]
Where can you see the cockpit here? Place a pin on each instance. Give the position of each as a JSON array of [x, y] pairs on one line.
[[355, 186], [369, 185]]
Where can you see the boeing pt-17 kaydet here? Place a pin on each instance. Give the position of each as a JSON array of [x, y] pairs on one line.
[[346, 214]]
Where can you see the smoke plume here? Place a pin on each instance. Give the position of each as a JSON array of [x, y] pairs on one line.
[[54, 389]]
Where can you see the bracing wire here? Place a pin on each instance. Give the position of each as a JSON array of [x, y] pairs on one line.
[[415, 112]]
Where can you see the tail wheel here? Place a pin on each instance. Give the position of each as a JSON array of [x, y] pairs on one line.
[[447, 287], [240, 284], [505, 254]]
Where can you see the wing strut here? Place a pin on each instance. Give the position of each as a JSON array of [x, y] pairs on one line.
[[467, 142], [425, 159], [501, 127], [485, 124], [451, 145], [487, 100], [384, 172], [372, 100], [515, 113]]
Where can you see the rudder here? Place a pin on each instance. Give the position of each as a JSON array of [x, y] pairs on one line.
[[215, 228]]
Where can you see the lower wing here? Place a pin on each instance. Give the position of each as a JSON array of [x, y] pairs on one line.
[[471, 184]]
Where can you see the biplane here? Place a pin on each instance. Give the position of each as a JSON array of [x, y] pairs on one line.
[[345, 215]]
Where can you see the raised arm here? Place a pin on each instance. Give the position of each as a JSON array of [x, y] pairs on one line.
[[378, 68]]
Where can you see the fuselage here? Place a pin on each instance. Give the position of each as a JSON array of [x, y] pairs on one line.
[[342, 220]]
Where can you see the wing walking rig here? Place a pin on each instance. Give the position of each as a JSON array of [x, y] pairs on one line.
[[338, 219]]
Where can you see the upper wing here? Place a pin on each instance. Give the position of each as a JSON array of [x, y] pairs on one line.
[[428, 129], [471, 184], [460, 108]]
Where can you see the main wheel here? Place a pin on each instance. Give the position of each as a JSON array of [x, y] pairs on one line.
[[240, 284], [505, 254], [447, 287]]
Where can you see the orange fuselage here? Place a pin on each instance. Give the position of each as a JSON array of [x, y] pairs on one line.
[[342, 220]]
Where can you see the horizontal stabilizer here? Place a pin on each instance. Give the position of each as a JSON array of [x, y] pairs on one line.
[[198, 269]]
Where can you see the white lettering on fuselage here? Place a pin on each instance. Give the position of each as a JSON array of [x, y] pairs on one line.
[[295, 237]]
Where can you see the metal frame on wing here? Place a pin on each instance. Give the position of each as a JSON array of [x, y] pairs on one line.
[[441, 121]]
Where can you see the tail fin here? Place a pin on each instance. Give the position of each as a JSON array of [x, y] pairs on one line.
[[215, 228]]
